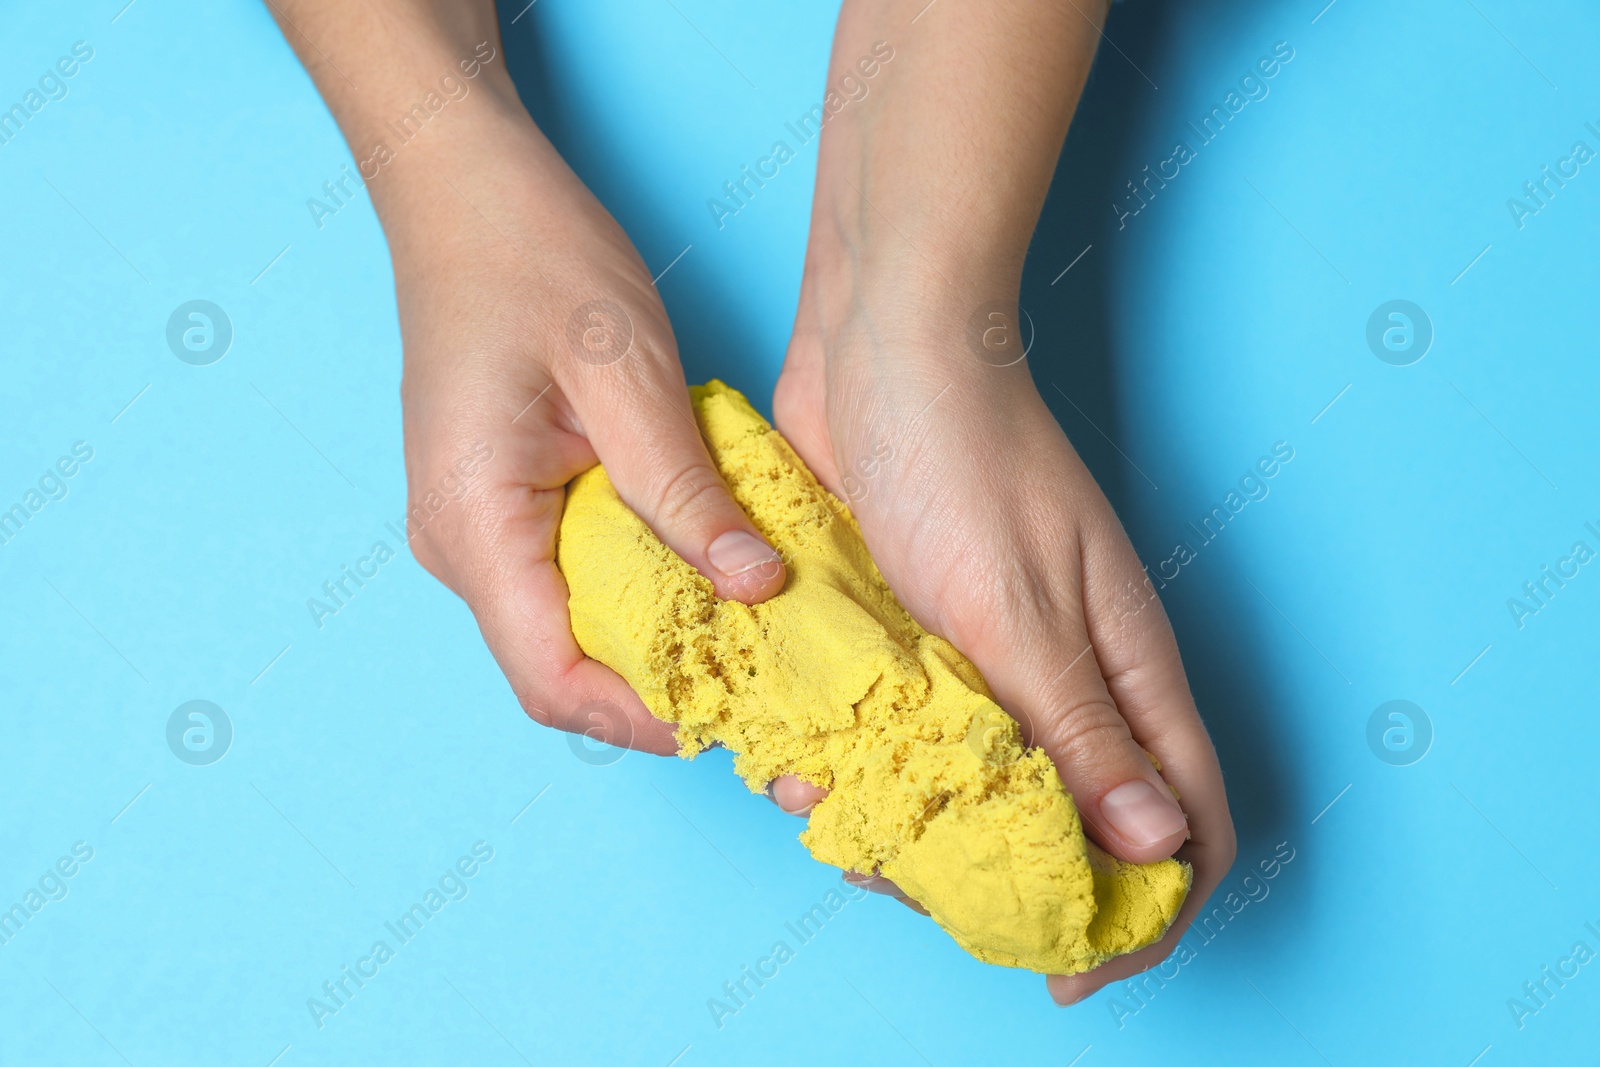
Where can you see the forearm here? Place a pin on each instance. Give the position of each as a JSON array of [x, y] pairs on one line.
[[937, 173], [410, 85]]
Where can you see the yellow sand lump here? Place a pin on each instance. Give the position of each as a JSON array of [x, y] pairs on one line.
[[833, 681]]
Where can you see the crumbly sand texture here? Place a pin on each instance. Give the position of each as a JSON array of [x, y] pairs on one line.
[[833, 680]]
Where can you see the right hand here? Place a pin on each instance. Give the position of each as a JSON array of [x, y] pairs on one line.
[[500, 255]]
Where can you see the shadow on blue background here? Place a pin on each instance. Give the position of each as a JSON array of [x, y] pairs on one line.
[[1073, 366], [1431, 884]]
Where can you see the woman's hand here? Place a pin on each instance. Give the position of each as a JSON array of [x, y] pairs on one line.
[[993, 534], [535, 346], [533, 332], [903, 393]]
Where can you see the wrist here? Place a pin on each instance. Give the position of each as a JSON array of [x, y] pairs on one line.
[[370, 66], [478, 175], [925, 293], [437, 108], [922, 228], [408, 86]]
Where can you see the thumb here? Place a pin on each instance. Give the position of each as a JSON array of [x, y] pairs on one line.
[[645, 433], [1060, 697]]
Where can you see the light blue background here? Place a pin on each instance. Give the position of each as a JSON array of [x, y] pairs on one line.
[[1222, 318]]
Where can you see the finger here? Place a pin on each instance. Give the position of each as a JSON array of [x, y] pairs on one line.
[[914, 906], [1067, 989], [1210, 863], [795, 796], [636, 412], [1045, 671], [522, 613], [1144, 673], [799, 401], [494, 545], [874, 883]]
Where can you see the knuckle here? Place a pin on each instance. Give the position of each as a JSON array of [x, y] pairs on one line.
[[967, 593], [1085, 734], [535, 709], [533, 692], [429, 556], [1228, 848], [452, 534], [443, 558], [692, 491], [600, 720]]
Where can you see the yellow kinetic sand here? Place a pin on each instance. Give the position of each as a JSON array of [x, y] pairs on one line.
[[833, 681]]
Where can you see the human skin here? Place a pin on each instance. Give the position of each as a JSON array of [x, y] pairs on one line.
[[983, 520], [495, 245]]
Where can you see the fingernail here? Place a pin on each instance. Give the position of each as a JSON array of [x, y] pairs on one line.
[[790, 811], [1138, 811], [736, 552]]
